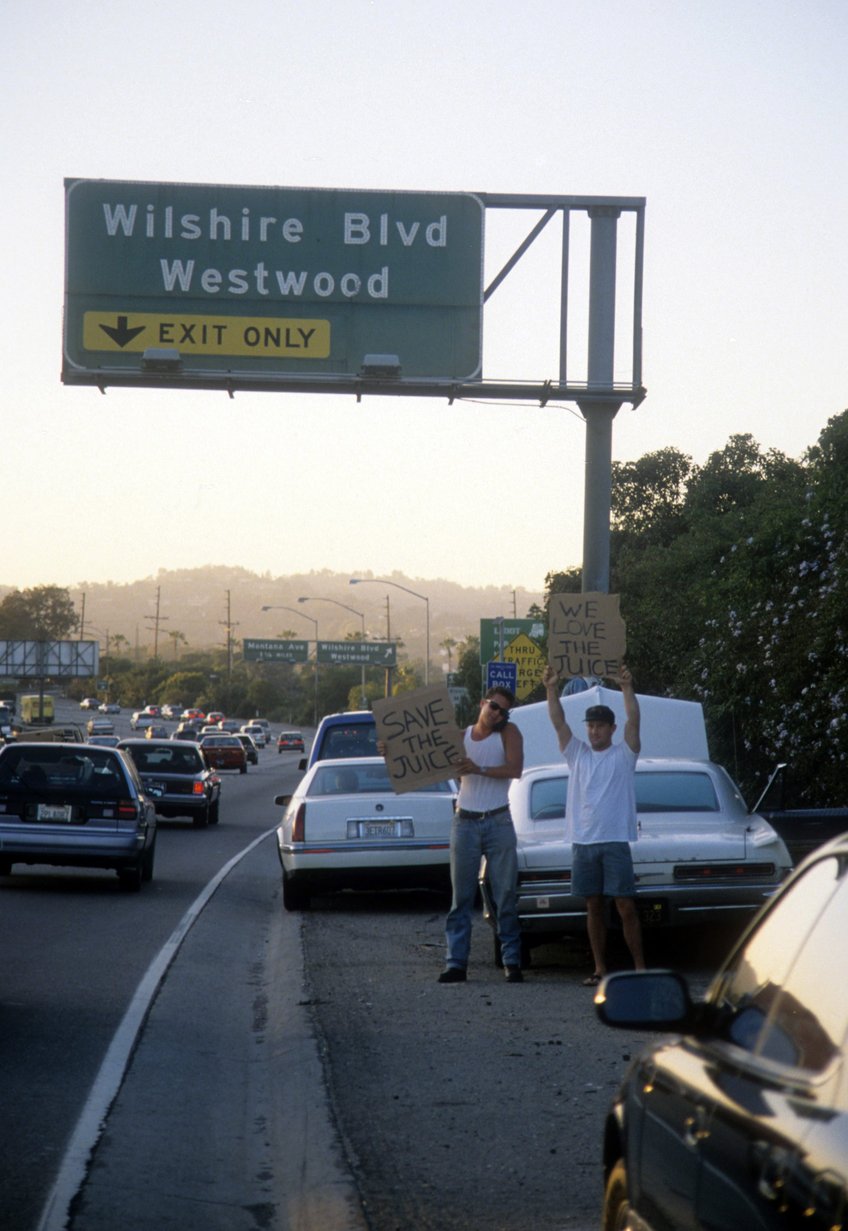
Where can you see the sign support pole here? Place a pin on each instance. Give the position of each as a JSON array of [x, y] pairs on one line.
[[599, 415]]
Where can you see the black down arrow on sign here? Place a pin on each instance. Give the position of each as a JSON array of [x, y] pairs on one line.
[[121, 333]]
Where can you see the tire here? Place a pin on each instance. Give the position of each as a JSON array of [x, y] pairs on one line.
[[243, 769], [5, 867], [616, 1212], [131, 878], [295, 896], [147, 861], [201, 819], [215, 812]]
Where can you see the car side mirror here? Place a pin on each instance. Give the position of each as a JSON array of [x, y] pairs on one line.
[[301, 765], [645, 1000], [282, 801]]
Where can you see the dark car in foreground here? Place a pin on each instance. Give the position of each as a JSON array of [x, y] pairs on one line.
[[177, 778], [75, 805], [740, 1119]]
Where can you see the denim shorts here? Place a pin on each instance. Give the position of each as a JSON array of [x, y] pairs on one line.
[[602, 868]]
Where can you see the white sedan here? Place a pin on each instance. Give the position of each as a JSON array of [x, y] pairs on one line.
[[700, 858], [345, 828]]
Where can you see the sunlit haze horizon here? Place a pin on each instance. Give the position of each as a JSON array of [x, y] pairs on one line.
[[727, 117]]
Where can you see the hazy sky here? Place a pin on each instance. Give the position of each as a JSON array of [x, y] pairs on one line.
[[729, 116]]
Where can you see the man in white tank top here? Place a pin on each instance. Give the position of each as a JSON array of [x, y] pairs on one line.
[[600, 815], [482, 825]]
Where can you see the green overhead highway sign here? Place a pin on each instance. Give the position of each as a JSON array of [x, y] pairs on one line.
[[276, 650], [204, 283], [366, 653]]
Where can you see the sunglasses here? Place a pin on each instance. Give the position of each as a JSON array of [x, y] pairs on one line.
[[499, 709]]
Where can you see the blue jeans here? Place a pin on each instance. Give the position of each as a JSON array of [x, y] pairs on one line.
[[493, 837]]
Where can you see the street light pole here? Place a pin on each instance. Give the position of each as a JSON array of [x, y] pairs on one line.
[[319, 598], [383, 581], [312, 620]]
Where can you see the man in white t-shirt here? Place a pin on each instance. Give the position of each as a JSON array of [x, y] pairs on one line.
[[600, 815]]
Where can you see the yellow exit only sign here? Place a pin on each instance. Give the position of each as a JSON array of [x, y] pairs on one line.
[[263, 337]]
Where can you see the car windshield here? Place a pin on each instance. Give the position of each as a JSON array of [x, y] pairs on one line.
[[173, 760], [352, 741], [362, 780], [674, 791], [36, 768]]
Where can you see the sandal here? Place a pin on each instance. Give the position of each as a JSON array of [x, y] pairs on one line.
[[593, 980]]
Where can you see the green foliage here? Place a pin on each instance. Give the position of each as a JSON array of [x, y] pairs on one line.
[[44, 613], [734, 586]]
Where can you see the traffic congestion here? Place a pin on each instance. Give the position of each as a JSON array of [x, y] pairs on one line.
[[316, 891]]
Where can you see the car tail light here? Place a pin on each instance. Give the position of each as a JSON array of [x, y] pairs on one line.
[[127, 810], [197, 788], [724, 871], [299, 826]]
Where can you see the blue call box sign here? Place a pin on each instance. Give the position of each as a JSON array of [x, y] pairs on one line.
[[502, 675], [269, 281]]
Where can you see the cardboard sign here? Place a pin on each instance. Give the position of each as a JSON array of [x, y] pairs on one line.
[[586, 635], [423, 742]]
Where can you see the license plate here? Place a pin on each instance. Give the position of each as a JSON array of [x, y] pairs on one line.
[[53, 812], [653, 914], [379, 829]]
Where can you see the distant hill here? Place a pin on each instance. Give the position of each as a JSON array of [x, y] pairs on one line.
[[199, 602]]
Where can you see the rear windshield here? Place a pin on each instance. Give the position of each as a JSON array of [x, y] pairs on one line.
[[661, 792], [361, 780], [179, 759], [46, 767], [352, 741]]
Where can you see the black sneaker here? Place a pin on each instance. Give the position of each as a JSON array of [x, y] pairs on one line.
[[453, 974], [513, 974]]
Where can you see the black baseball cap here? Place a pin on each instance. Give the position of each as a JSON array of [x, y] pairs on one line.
[[600, 713]]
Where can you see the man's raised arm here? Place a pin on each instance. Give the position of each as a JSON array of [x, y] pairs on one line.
[[632, 736], [555, 711]]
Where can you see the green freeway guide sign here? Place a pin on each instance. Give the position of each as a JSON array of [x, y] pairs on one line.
[[368, 653], [276, 650], [272, 283]]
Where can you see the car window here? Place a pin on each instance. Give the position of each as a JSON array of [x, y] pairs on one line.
[[365, 779], [180, 760], [675, 792], [774, 999], [547, 798], [350, 742], [31, 768]]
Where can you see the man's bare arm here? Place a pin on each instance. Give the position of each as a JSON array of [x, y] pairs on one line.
[[555, 711], [632, 735]]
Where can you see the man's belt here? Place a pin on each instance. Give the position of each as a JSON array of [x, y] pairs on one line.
[[465, 815]]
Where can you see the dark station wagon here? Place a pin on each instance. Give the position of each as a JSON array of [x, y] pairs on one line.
[[177, 778], [75, 805]]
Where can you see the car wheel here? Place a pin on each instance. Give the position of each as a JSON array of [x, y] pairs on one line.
[[131, 878], [147, 860], [5, 867], [243, 769], [215, 812], [295, 897], [616, 1214], [201, 819]]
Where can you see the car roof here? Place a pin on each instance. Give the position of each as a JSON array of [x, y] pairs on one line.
[[643, 765]]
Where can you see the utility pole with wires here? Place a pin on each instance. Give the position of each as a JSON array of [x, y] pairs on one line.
[[157, 620]]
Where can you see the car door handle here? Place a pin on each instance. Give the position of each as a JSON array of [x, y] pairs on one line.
[[695, 1128]]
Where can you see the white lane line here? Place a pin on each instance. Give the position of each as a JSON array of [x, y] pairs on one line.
[[92, 1120]]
